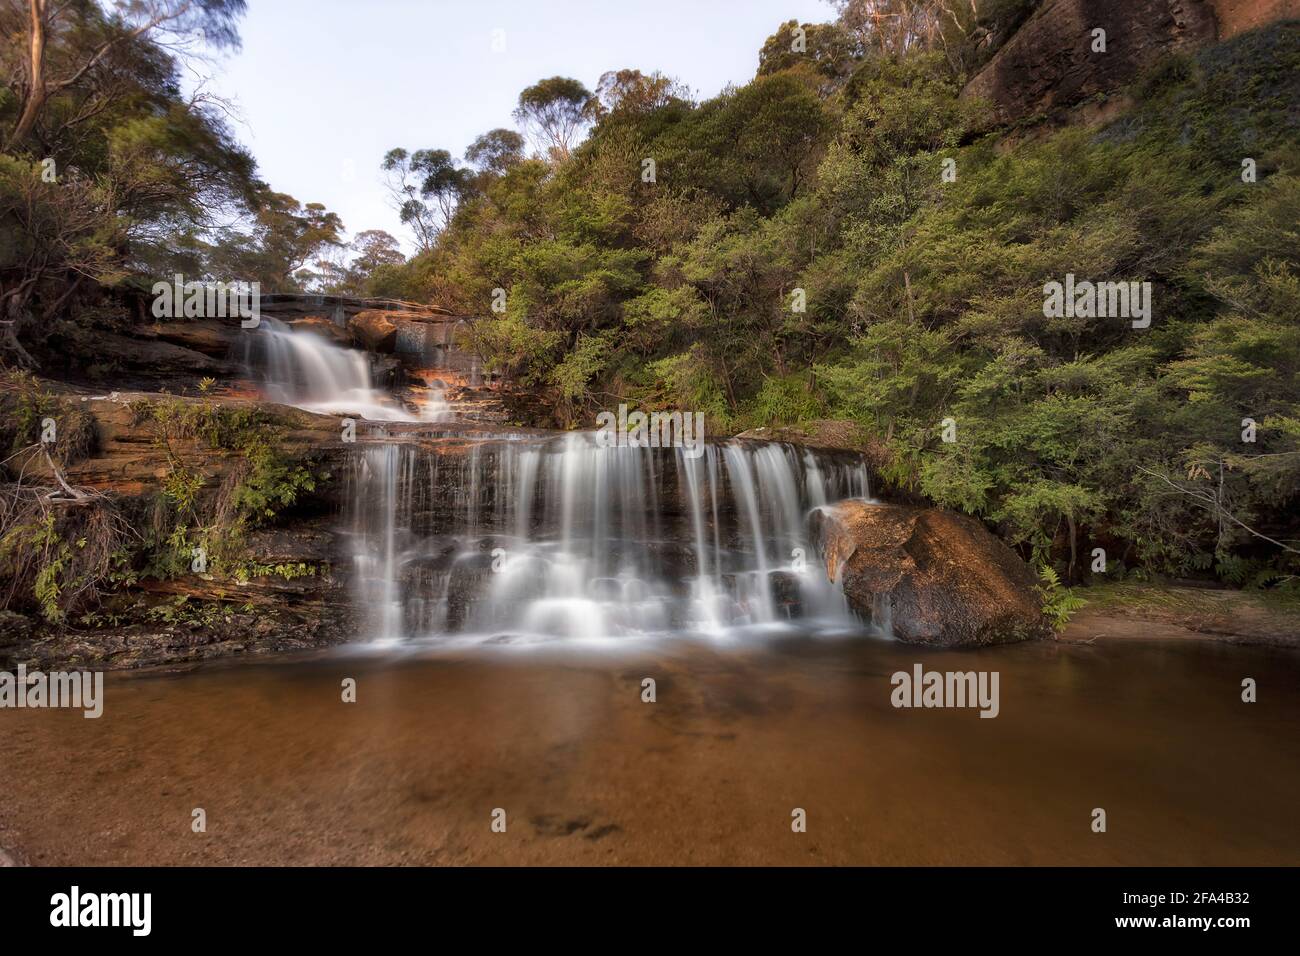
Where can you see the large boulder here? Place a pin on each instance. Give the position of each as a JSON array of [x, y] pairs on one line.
[[939, 578]]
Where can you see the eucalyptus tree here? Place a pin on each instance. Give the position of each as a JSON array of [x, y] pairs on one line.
[[425, 187], [72, 48], [554, 111], [495, 151]]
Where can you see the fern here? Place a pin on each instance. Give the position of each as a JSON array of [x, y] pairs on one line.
[[1059, 603]]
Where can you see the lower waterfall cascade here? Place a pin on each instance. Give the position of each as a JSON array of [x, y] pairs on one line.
[[561, 537]]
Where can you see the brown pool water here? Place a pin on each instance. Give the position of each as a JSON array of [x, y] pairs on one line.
[[1153, 732]]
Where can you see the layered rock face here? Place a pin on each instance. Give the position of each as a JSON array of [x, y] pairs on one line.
[[931, 576], [287, 592], [126, 458], [1050, 63]]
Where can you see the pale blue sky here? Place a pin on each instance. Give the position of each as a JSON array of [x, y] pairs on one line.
[[326, 87]]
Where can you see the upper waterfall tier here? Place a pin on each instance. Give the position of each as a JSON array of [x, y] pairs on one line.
[[304, 369]]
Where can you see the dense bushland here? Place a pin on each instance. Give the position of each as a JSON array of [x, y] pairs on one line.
[[924, 297]]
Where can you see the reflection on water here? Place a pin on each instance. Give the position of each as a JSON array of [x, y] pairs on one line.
[[1155, 733]]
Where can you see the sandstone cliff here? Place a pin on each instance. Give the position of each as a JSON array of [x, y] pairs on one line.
[[1053, 62]]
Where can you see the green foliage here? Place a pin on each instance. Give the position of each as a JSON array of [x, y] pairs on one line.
[[272, 482], [277, 247], [48, 586], [181, 610], [181, 488], [573, 375], [265, 480], [1059, 603], [55, 559], [555, 109], [924, 296], [831, 53], [25, 404], [686, 381], [495, 151], [785, 400], [112, 168], [245, 571], [1078, 429], [510, 344]]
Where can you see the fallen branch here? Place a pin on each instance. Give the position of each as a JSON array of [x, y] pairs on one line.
[[69, 493], [10, 341], [1215, 506]]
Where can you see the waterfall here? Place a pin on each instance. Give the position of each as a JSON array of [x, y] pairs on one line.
[[534, 538], [305, 369], [526, 537]]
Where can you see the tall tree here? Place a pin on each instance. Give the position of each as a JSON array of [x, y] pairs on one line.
[[828, 52], [348, 270], [109, 168], [61, 53], [286, 235], [554, 110], [425, 186]]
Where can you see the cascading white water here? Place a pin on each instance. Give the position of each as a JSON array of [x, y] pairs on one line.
[[534, 539], [306, 370]]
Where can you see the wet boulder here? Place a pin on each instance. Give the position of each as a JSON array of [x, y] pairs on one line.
[[941, 578]]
